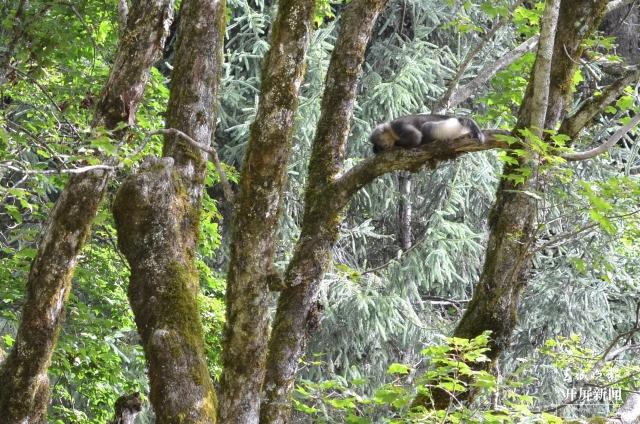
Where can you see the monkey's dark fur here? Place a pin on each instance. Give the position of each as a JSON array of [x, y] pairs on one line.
[[413, 130]]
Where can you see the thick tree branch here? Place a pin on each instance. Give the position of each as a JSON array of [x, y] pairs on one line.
[[157, 215], [536, 114], [617, 4], [611, 141], [572, 125], [297, 312], [25, 385], [123, 14], [409, 160], [255, 228]]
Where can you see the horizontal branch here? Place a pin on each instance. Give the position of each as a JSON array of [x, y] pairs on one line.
[[80, 170], [409, 160]]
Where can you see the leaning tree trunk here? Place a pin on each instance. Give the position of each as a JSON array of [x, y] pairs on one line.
[[320, 227], [157, 214], [255, 227], [24, 392]]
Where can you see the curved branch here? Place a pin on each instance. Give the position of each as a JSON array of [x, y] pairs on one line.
[[573, 157]]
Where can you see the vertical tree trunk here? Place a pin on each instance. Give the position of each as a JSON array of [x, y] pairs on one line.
[[24, 392], [506, 269], [157, 216], [254, 232], [405, 238], [320, 228]]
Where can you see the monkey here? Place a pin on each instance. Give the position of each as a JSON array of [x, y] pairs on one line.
[[413, 130]]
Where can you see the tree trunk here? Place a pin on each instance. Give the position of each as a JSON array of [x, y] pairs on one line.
[[512, 222], [320, 229], [157, 214], [255, 227], [405, 238], [24, 393]]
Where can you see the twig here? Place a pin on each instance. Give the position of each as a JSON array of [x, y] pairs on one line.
[[226, 187]]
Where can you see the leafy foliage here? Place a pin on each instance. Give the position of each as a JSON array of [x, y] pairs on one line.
[[382, 305]]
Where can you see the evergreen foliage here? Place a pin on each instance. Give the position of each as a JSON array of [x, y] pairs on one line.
[[381, 305]]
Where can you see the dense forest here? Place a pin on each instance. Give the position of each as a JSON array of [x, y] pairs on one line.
[[211, 211]]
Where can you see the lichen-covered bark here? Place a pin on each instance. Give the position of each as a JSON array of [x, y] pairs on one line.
[[573, 124], [24, 389], [322, 210], [157, 215], [513, 217], [254, 232], [506, 269]]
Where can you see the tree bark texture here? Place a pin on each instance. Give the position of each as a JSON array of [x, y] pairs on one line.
[[127, 408], [24, 390], [13, 35], [258, 207], [513, 217], [157, 215], [405, 236], [320, 229]]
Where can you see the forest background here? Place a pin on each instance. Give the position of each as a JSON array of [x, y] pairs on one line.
[[410, 247]]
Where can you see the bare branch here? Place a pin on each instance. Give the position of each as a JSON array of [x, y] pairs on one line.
[[80, 170], [213, 155], [617, 4], [443, 102], [572, 157], [467, 90], [542, 70]]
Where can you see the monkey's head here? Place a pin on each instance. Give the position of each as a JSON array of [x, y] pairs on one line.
[[383, 137]]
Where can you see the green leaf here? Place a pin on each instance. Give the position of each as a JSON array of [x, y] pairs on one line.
[[396, 368]]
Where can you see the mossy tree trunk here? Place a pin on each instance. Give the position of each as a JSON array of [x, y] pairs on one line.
[[255, 228], [322, 217], [24, 392], [157, 215], [513, 218]]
